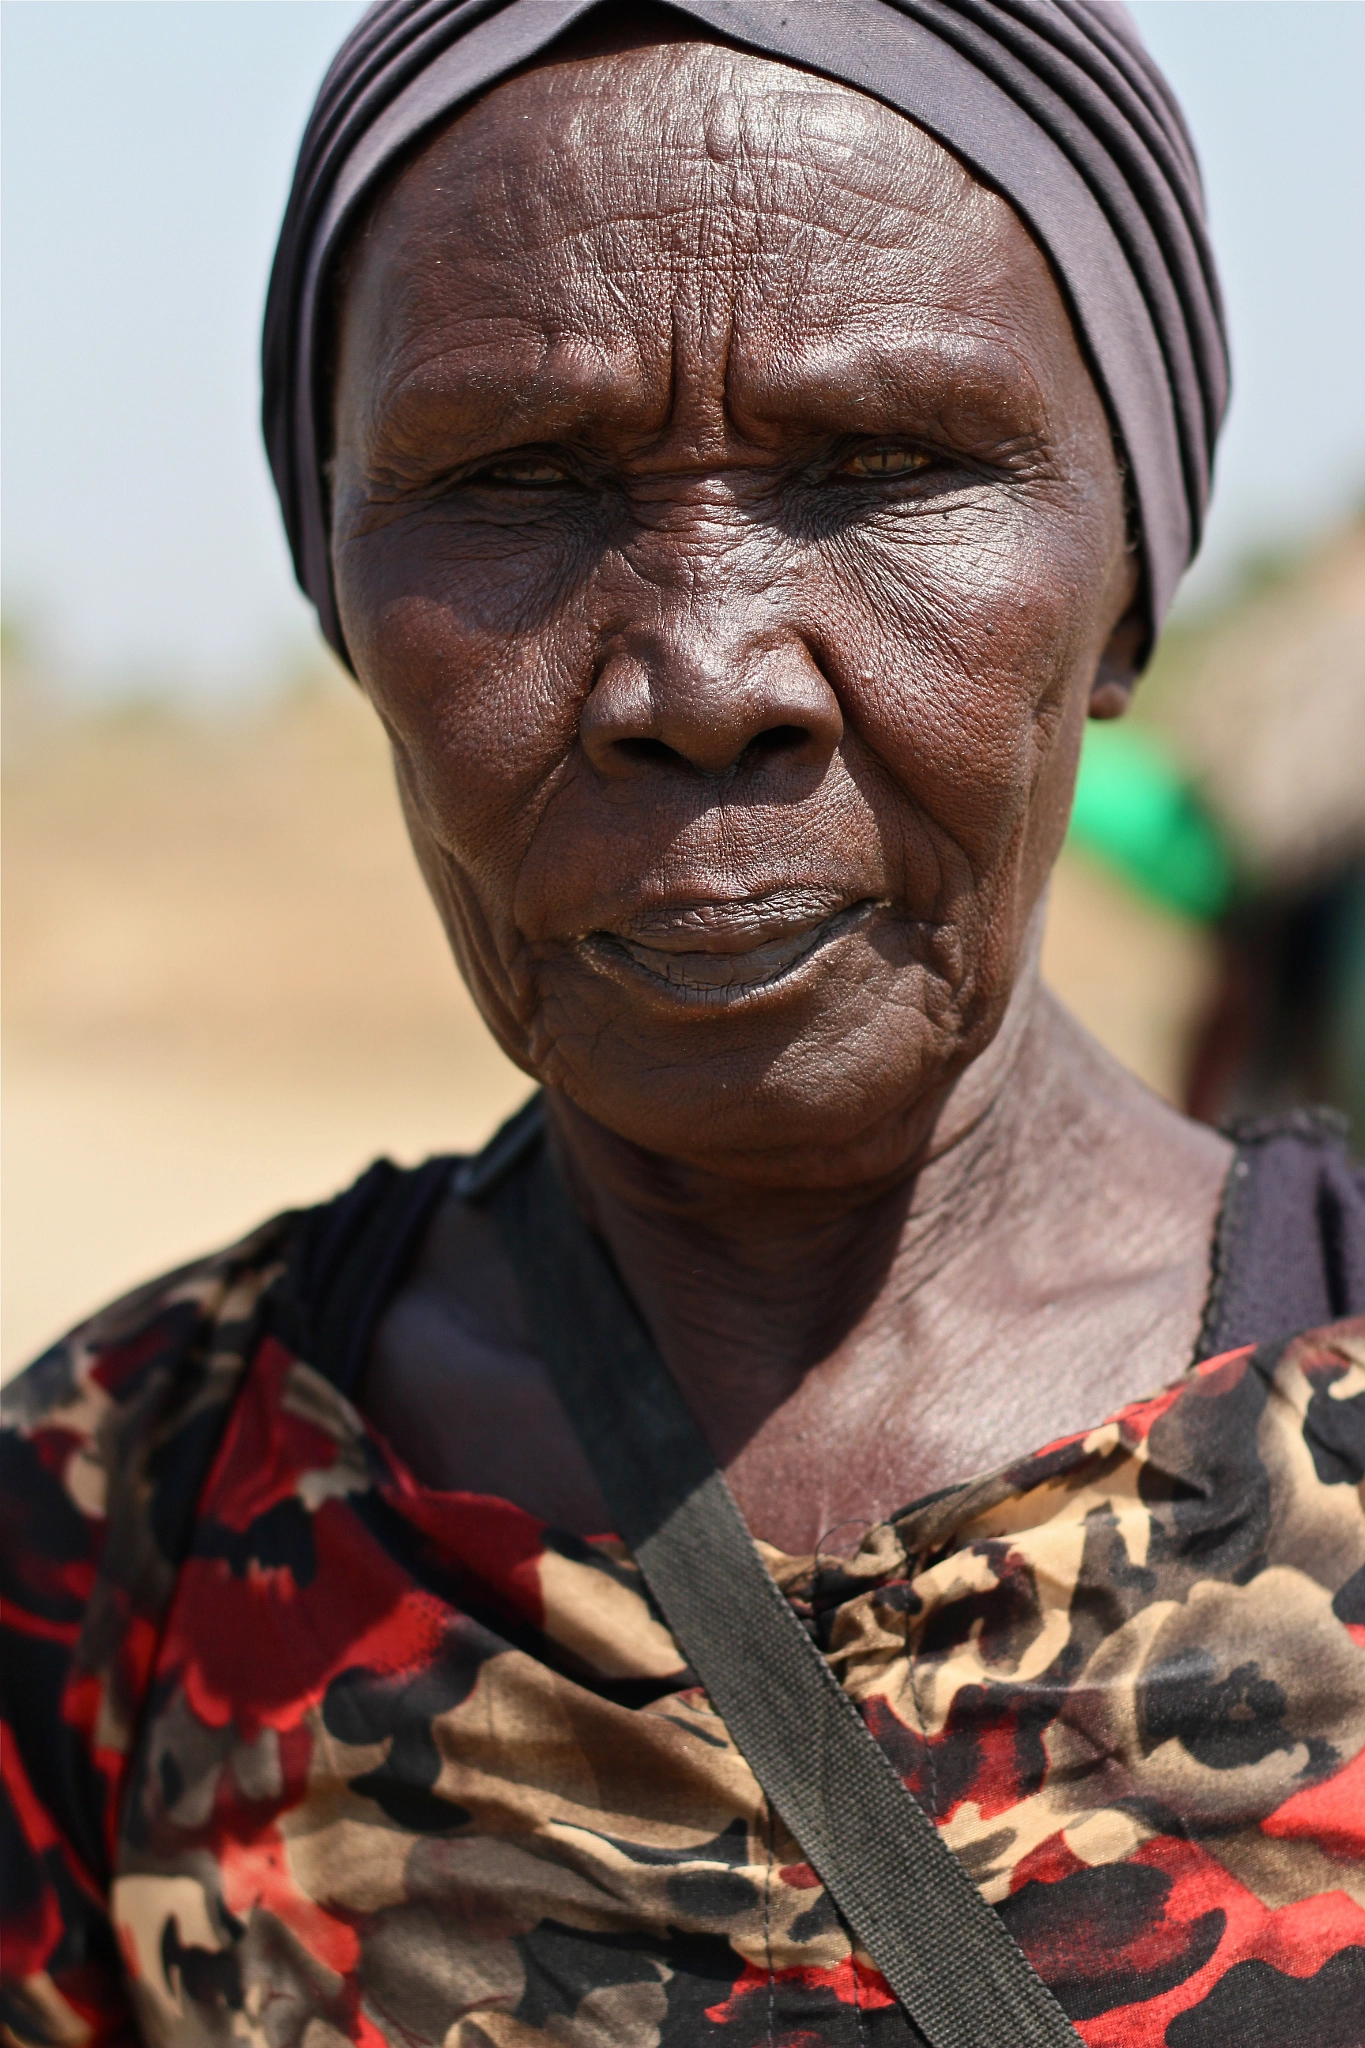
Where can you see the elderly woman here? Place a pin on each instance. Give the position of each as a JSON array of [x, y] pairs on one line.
[[735, 449]]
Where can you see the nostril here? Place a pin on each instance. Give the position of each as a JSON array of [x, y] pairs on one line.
[[773, 744], [649, 753]]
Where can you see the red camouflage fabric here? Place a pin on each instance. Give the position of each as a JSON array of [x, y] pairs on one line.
[[306, 1753]]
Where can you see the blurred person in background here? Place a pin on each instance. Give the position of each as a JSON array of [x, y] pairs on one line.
[[734, 470]]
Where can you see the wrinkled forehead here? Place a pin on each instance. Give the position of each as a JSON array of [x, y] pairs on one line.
[[655, 132], [617, 186]]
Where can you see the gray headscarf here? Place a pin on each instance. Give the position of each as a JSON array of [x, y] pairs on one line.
[[1055, 103]]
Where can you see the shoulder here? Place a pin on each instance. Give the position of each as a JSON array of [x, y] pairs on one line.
[[1312, 1438], [1284, 1421], [126, 1381], [1253, 1467], [146, 1380], [107, 1438], [105, 1445]]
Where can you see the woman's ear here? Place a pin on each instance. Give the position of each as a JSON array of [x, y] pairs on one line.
[[1121, 663]]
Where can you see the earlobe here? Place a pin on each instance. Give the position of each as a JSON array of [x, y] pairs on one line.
[[1120, 664], [1109, 698]]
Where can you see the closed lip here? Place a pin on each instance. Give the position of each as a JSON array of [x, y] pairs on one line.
[[727, 949]]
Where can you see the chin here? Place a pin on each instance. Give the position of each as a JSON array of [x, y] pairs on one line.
[[845, 1095]]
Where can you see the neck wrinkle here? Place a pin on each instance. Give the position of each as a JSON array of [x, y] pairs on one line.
[[746, 1285]]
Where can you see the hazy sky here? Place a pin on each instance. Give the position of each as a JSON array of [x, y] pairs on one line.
[[147, 151]]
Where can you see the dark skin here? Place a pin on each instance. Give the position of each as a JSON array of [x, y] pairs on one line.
[[729, 534]]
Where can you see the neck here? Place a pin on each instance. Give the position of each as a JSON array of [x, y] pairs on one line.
[[748, 1288]]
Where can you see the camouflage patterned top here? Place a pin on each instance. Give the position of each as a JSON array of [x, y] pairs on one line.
[[308, 1753]]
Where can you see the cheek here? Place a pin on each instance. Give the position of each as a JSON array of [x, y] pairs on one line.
[[978, 631], [475, 670]]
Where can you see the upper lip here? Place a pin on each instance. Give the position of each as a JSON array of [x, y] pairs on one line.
[[731, 943]]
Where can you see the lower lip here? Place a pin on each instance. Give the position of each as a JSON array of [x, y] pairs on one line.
[[726, 977]]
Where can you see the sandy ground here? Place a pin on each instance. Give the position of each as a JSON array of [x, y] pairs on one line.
[[225, 990]]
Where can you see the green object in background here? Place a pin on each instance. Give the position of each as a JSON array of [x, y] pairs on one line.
[[1137, 813]]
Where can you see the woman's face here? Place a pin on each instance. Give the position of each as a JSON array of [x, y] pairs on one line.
[[728, 532]]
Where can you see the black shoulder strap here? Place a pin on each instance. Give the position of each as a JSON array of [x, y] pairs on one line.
[[346, 1259], [348, 1254], [1289, 1252], [943, 1950]]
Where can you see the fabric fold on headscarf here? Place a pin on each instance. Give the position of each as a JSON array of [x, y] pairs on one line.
[[1054, 103]]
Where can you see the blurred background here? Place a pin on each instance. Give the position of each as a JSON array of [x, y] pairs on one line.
[[225, 990]]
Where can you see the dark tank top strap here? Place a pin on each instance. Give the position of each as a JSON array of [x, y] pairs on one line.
[[349, 1255], [522, 1132], [347, 1259], [1289, 1250]]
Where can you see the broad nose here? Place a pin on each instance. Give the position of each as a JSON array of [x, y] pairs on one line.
[[689, 694]]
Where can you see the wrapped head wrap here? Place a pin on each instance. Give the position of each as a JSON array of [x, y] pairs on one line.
[[1054, 103]]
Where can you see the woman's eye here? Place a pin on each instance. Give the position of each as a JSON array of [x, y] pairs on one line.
[[890, 462], [529, 472]]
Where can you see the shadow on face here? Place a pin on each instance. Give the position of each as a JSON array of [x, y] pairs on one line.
[[728, 532]]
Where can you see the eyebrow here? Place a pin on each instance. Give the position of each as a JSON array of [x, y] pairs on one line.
[[550, 391], [954, 371]]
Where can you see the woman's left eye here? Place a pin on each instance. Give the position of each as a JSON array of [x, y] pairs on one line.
[[885, 462]]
